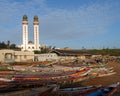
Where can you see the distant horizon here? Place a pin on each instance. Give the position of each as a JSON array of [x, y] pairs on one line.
[[69, 47], [92, 24]]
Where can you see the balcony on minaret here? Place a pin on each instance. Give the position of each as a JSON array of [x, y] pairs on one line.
[[24, 22], [36, 21]]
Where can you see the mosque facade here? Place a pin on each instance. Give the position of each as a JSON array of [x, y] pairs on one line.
[[29, 45]]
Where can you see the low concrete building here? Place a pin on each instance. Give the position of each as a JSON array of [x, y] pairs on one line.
[[59, 55], [7, 56], [71, 54], [46, 57], [21, 56]]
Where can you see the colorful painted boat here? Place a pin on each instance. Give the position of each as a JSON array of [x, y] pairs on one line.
[[106, 91], [40, 91], [106, 74], [78, 88], [42, 77], [5, 87], [98, 65], [79, 73], [75, 91], [5, 80]]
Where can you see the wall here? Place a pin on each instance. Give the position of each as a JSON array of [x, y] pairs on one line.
[[21, 56], [47, 57], [7, 56]]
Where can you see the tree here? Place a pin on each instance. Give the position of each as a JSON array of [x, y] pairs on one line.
[[13, 46], [2, 45], [37, 52], [8, 44]]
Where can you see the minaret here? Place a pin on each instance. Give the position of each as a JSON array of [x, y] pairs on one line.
[[36, 32], [25, 32]]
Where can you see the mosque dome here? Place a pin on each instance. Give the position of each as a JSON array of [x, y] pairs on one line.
[[30, 42], [35, 18], [25, 17]]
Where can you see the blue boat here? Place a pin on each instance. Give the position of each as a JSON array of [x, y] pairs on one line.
[[106, 91]]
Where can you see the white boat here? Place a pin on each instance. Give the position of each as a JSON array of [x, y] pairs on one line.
[[5, 80], [106, 74]]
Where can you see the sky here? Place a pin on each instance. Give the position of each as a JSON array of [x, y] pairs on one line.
[[63, 23]]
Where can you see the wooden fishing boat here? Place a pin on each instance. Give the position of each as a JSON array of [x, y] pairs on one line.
[[45, 77], [40, 91], [79, 88], [49, 89], [6, 73], [75, 91], [5, 80], [79, 73], [106, 74], [106, 91], [98, 65], [84, 78], [6, 87]]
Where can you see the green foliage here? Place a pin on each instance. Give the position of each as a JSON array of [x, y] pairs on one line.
[[111, 52], [2, 45], [7, 45], [37, 52], [45, 49], [12, 46]]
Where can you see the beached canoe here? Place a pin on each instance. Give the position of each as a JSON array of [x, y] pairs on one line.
[[106, 91], [78, 88], [5, 80], [106, 74], [75, 91], [74, 74], [79, 73], [40, 91], [98, 65], [5, 87]]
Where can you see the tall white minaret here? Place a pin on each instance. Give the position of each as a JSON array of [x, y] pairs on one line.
[[25, 32], [36, 32]]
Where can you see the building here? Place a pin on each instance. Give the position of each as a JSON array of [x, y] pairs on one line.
[[59, 55], [10, 56], [46, 57], [29, 45], [81, 54]]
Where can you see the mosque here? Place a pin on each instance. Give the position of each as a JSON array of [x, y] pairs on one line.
[[29, 45]]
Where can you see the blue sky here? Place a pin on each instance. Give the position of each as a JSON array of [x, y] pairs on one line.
[[63, 23]]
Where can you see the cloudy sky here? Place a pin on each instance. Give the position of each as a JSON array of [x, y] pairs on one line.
[[63, 23]]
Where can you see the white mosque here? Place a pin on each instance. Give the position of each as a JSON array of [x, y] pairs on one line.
[[28, 45]]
